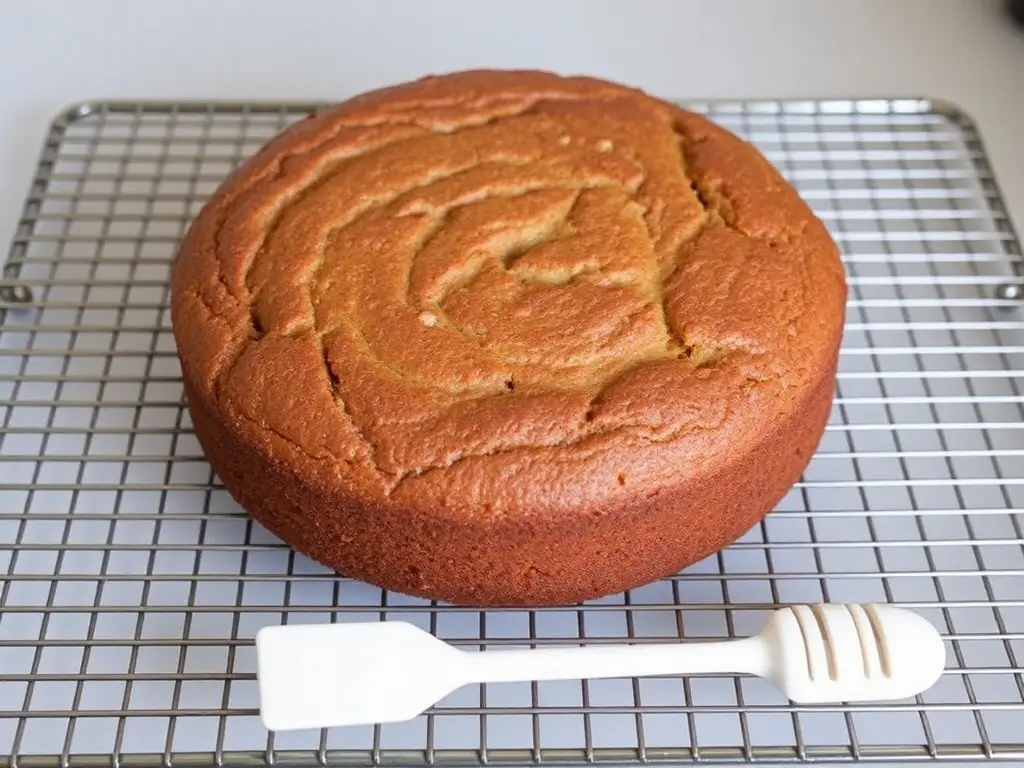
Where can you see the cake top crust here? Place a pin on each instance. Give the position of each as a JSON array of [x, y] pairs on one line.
[[506, 292]]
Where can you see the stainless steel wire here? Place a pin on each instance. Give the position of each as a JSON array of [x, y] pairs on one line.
[[133, 585]]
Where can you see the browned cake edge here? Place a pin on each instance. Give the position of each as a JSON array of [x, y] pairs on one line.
[[550, 560]]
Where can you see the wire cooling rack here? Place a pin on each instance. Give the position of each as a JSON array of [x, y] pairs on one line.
[[133, 585]]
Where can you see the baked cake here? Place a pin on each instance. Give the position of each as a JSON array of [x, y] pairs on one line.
[[508, 337]]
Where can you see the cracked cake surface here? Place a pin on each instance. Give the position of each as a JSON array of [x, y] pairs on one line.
[[508, 337]]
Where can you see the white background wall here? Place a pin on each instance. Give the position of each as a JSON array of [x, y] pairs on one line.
[[60, 51]]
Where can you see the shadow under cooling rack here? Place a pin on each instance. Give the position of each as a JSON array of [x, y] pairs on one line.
[[133, 585]]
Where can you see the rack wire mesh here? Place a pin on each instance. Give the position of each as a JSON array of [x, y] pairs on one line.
[[133, 585]]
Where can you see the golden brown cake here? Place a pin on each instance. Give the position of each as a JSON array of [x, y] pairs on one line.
[[508, 337]]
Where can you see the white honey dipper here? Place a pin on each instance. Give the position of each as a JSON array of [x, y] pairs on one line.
[[318, 676]]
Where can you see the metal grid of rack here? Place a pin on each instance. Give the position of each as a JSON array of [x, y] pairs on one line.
[[132, 584]]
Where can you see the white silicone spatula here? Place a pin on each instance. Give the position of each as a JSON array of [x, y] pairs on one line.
[[317, 676]]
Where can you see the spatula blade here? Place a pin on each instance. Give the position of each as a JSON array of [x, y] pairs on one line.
[[320, 676]]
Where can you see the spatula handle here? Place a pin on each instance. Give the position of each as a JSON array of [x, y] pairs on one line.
[[749, 655]]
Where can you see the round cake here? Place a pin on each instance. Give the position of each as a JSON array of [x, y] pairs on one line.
[[508, 338]]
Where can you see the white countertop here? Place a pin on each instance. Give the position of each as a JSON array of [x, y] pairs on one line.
[[62, 51]]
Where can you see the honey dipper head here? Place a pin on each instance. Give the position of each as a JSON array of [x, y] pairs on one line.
[[850, 652], [508, 337]]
